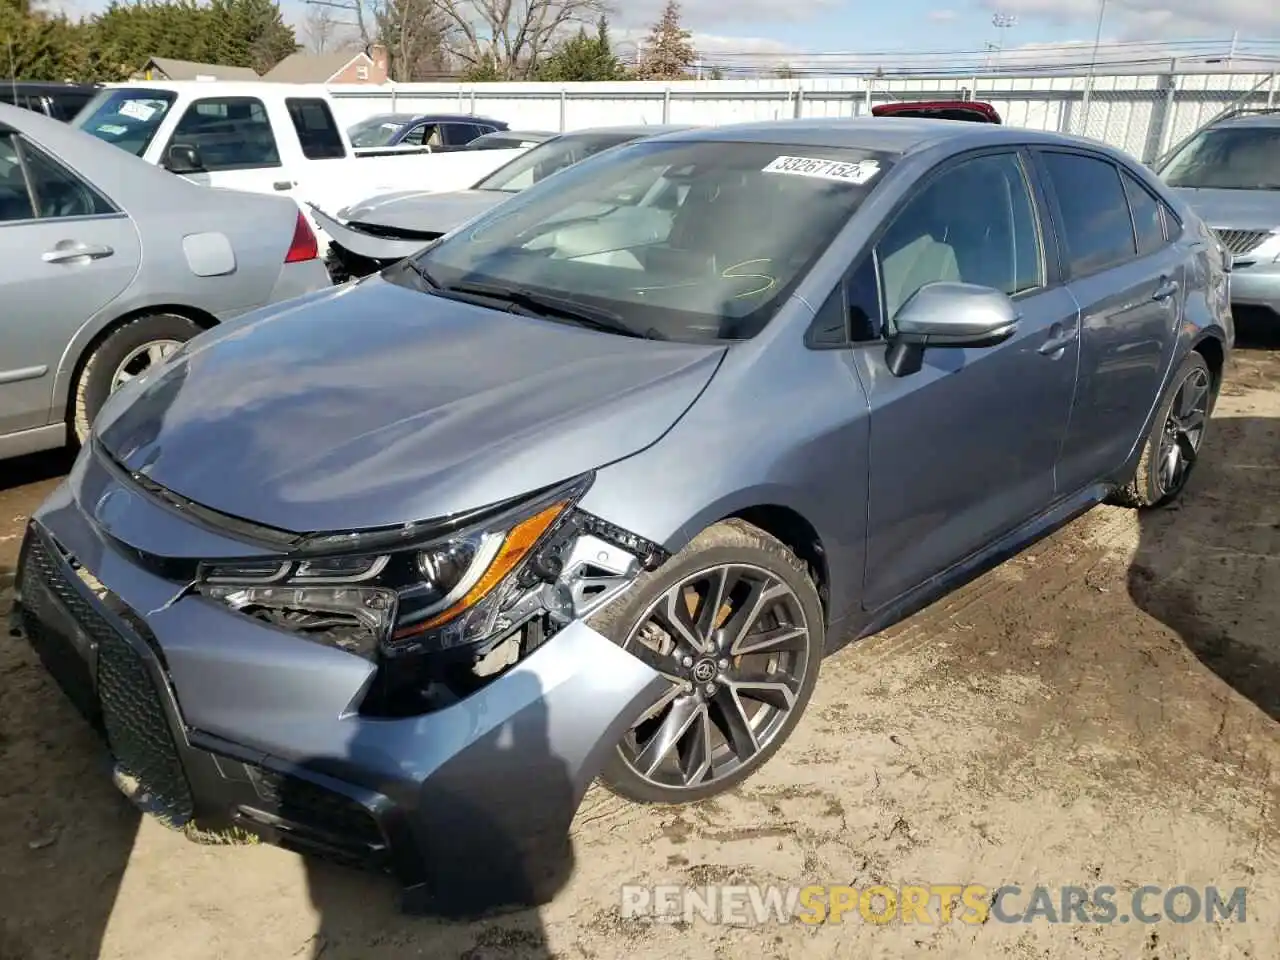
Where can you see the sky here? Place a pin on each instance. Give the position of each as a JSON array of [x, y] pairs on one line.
[[739, 30]]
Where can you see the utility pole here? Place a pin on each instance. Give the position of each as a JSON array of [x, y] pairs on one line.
[[1093, 63]]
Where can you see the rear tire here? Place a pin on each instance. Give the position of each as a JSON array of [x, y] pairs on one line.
[[127, 351], [1172, 448], [742, 669]]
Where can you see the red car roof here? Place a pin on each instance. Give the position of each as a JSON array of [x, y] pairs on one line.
[[970, 110]]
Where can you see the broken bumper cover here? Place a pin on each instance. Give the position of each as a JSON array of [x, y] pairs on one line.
[[215, 719]]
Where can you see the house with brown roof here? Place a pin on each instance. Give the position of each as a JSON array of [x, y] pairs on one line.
[[166, 68], [345, 66]]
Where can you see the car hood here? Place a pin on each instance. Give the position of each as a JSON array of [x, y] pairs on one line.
[[1234, 209], [422, 212], [374, 405]]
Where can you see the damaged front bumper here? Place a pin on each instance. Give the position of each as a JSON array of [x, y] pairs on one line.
[[357, 250], [217, 720]]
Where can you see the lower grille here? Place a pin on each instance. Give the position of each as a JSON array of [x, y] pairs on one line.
[[316, 808], [138, 730], [68, 668], [1241, 242], [126, 704]]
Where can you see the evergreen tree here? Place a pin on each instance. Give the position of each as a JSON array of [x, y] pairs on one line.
[[584, 57], [668, 52]]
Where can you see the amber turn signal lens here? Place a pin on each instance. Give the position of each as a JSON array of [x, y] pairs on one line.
[[522, 538]]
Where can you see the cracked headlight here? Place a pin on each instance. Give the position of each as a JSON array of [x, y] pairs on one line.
[[393, 592]]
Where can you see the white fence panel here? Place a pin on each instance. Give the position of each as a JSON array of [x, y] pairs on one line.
[[1143, 114]]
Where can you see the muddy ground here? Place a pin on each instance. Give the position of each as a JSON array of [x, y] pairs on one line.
[[1099, 710]]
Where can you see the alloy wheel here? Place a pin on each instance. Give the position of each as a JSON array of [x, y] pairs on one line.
[[733, 643], [139, 361], [1183, 432]]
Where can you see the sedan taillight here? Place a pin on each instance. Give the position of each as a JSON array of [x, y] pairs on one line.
[[304, 245]]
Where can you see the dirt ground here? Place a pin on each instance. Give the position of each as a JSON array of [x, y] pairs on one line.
[[1099, 710]]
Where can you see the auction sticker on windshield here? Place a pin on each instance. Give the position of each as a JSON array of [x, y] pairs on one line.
[[856, 173], [137, 110]]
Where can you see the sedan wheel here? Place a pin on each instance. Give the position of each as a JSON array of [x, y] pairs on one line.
[[1172, 448], [128, 351], [1183, 431], [142, 359], [738, 641]]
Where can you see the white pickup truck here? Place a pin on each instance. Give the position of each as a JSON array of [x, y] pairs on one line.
[[264, 137]]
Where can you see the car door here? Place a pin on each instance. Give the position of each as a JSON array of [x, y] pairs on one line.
[[236, 142], [1129, 282], [68, 252], [963, 450]]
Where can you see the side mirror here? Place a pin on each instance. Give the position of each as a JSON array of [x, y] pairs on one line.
[[948, 315], [183, 158]]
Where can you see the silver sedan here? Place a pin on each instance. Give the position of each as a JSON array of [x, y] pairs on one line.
[[108, 264]]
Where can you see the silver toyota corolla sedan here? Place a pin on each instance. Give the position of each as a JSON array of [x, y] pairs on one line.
[[1229, 173], [399, 568], [108, 263]]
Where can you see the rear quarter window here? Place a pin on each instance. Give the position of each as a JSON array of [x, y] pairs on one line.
[[318, 134]]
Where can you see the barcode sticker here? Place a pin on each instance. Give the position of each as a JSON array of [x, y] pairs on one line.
[[842, 171]]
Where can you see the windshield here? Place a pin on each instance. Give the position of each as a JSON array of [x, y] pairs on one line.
[[1228, 158], [678, 240], [128, 118], [546, 158], [377, 131]]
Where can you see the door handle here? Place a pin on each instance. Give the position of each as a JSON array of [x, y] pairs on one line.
[[77, 251], [1168, 287], [1055, 344], [283, 185]]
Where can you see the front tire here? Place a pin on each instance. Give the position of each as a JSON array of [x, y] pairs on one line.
[[735, 624], [1172, 448], [128, 351]]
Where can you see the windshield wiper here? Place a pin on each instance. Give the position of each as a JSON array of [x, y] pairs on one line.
[[547, 305]]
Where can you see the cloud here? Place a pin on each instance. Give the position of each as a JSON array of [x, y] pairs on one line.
[[1148, 19], [705, 14], [943, 16]]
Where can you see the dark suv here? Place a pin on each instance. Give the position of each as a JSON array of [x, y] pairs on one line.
[[62, 101]]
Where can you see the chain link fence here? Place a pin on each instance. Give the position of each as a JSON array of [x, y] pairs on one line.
[[1150, 121], [1145, 115]]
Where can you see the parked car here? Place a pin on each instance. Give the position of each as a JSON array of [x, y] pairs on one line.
[[1229, 173], [555, 499], [974, 111], [110, 264], [273, 138], [507, 139], [439, 131], [377, 232], [62, 101]]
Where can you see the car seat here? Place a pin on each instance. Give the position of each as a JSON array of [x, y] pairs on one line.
[[916, 251]]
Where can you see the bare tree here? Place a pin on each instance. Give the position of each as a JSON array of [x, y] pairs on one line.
[[506, 38], [320, 27], [413, 33], [346, 19]]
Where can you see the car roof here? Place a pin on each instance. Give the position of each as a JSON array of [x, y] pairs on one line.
[[900, 135], [135, 184], [1250, 120], [48, 86], [631, 130]]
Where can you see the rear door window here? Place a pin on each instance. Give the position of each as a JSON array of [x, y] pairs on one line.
[[318, 134], [231, 133], [1097, 232], [1148, 222]]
